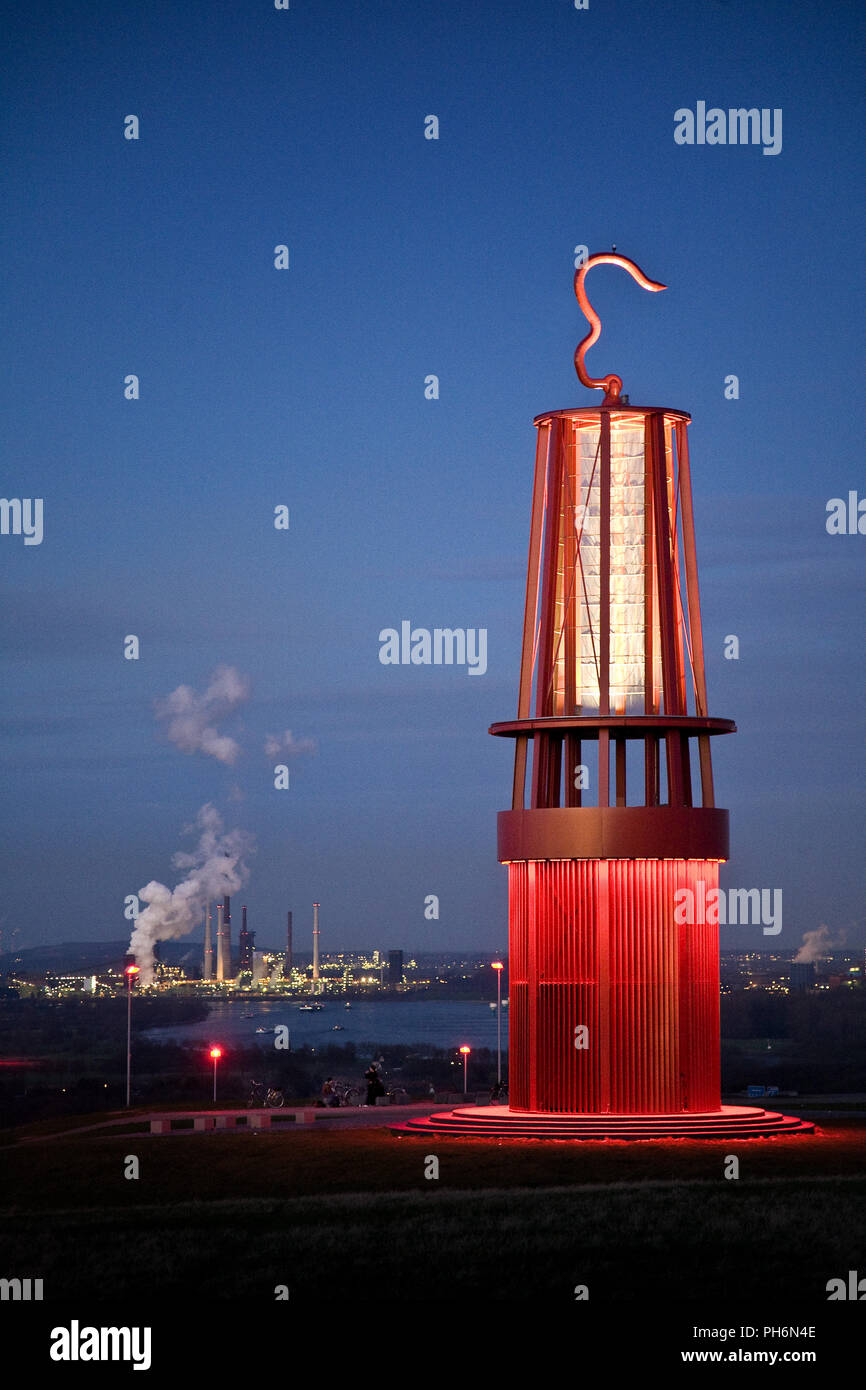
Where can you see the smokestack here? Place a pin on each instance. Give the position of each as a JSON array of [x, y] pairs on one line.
[[221, 945], [247, 939], [287, 968], [208, 945], [227, 928], [315, 943]]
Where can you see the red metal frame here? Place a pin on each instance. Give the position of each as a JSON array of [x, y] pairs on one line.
[[592, 877], [612, 384], [612, 618]]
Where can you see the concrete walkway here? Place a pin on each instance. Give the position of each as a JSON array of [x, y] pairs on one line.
[[290, 1119], [258, 1119]]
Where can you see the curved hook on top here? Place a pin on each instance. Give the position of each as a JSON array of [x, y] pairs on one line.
[[611, 384]]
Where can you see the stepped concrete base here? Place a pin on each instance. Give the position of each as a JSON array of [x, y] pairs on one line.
[[498, 1122]]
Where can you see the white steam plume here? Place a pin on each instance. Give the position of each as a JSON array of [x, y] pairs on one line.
[[816, 944], [191, 718], [216, 867]]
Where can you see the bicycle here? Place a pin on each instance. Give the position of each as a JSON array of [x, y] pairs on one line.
[[268, 1096], [346, 1094], [499, 1093]]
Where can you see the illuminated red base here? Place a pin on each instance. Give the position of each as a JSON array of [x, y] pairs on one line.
[[498, 1122], [596, 942]]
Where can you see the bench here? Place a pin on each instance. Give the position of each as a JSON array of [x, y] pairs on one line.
[[234, 1119]]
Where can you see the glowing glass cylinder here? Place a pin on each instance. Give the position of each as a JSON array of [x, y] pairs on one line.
[[614, 1003]]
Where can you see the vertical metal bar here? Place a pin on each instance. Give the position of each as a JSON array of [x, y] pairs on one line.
[[650, 583], [691, 567], [554, 772], [535, 917], [692, 591], [570, 585], [655, 433], [573, 794], [676, 989], [708, 796], [530, 610], [679, 616], [604, 567], [604, 767], [649, 602], [603, 920], [649, 769], [546, 640], [518, 788], [673, 753], [620, 771], [604, 610], [667, 603], [686, 763]]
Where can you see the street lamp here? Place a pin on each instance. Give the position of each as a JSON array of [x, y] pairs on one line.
[[498, 967], [216, 1053], [465, 1050], [131, 972]]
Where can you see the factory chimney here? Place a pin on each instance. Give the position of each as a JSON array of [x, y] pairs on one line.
[[247, 944], [221, 945], [287, 968], [208, 945], [227, 928], [315, 945]]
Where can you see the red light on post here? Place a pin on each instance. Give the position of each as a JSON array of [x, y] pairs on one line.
[[498, 967], [130, 972], [215, 1053]]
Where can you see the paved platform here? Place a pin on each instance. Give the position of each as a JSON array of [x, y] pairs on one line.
[[279, 1119], [479, 1121], [284, 1119], [498, 1122]]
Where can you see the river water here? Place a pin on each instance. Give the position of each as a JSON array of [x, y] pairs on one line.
[[438, 1023]]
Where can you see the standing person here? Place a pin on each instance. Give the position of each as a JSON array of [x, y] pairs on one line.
[[374, 1085], [328, 1094], [380, 1085]]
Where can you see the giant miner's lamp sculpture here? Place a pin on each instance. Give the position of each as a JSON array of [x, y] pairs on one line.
[[614, 1000]]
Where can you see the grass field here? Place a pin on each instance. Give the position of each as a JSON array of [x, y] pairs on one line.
[[675, 1241], [351, 1214]]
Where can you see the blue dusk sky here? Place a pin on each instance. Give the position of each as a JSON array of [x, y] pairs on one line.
[[304, 387]]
